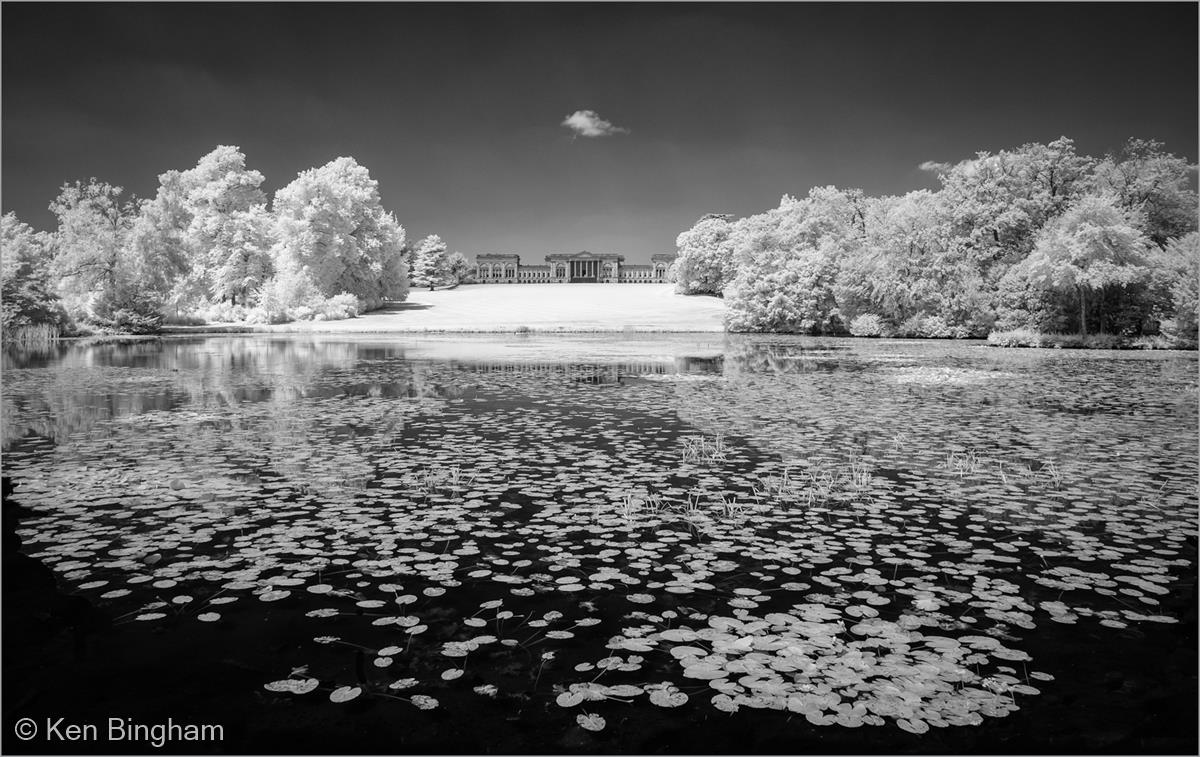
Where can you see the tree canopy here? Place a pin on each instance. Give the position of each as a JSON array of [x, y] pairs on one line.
[[1038, 237], [209, 244], [431, 265]]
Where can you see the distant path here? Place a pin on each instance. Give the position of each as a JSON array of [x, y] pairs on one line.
[[536, 307]]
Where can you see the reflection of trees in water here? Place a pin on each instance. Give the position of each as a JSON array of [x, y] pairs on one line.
[[1101, 431], [91, 384], [749, 354], [31, 355], [235, 425]]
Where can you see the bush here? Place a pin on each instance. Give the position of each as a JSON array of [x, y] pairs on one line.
[[867, 324], [30, 306], [1031, 338], [910, 328], [1018, 338], [1162, 342], [339, 307], [223, 312], [183, 319], [1066, 341], [291, 296], [131, 321], [936, 327], [280, 304], [1106, 342], [126, 312]]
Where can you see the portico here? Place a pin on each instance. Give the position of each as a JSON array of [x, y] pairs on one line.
[[584, 270], [586, 267], [574, 268]]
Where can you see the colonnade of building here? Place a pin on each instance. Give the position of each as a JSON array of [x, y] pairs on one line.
[[561, 268]]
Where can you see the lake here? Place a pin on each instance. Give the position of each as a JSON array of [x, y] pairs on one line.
[[608, 543]]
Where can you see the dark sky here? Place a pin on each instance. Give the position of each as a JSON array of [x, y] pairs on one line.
[[457, 110]]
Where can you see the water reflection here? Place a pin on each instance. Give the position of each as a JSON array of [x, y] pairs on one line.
[[868, 489], [61, 389]]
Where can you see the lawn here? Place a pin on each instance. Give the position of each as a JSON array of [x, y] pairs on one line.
[[536, 307]]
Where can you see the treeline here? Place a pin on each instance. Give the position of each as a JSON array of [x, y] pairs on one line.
[[1039, 238], [206, 247]]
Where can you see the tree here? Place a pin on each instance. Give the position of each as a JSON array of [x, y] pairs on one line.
[[90, 262], [1038, 236], [158, 251], [704, 261], [787, 262], [911, 270], [1000, 202], [1178, 279], [203, 235], [430, 265], [791, 293], [1092, 248], [226, 233], [332, 228], [458, 266], [1153, 184], [26, 293], [244, 260]]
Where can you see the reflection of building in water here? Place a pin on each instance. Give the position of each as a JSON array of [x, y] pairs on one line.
[[574, 268], [601, 373]]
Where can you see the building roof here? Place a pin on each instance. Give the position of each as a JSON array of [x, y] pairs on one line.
[[584, 255], [559, 257]]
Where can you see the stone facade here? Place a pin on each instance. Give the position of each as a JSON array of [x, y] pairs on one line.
[[570, 268]]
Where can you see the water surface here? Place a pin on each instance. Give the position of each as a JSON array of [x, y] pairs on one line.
[[633, 543]]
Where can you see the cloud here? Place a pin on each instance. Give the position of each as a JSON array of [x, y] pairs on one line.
[[588, 123], [932, 166]]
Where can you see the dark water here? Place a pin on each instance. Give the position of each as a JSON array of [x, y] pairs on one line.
[[611, 544]]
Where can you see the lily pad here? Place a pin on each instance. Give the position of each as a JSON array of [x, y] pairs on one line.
[[344, 693]]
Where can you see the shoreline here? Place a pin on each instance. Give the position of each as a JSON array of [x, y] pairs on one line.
[[177, 332]]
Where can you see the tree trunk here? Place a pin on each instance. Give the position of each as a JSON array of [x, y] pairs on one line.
[[1082, 313]]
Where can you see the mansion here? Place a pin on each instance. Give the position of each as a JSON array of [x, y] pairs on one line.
[[563, 268]]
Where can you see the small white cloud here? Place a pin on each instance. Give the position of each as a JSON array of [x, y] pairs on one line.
[[588, 123], [932, 166]]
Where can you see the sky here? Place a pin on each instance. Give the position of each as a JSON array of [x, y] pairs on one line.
[[559, 127]]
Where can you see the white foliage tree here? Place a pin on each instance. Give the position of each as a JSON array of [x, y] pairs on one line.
[[704, 263], [332, 229], [430, 263], [244, 262], [1095, 245], [788, 260], [225, 230], [458, 267], [89, 261], [192, 242]]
